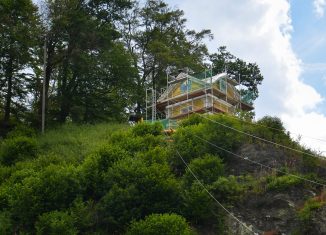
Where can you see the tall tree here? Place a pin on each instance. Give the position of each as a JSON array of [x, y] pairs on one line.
[[157, 37], [18, 27], [82, 44], [248, 74]]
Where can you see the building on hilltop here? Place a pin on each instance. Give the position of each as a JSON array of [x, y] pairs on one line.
[[202, 93]]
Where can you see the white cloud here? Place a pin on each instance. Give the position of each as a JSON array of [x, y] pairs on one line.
[[319, 7], [260, 31]]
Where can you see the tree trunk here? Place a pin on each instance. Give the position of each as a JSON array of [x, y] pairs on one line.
[[8, 97], [48, 73]]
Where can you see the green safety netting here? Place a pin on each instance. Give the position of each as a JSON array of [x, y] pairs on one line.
[[203, 75], [166, 123], [247, 97]]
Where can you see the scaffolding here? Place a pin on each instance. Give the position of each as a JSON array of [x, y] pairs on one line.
[[196, 93]]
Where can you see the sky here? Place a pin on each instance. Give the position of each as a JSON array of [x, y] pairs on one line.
[[287, 39]]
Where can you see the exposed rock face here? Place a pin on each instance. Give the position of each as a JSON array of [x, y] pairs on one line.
[[264, 154], [273, 212], [317, 225]]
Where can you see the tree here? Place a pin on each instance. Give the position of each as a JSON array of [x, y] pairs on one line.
[[18, 27], [247, 73], [88, 68], [157, 37]]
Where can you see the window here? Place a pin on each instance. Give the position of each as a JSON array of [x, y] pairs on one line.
[[186, 109]]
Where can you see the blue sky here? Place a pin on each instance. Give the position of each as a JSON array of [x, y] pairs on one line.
[[309, 43], [287, 39]]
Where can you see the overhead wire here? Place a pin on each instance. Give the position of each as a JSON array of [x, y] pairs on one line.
[[259, 138], [211, 195], [260, 164], [273, 128], [254, 136]]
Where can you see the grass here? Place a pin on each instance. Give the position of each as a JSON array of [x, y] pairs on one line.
[[76, 141]]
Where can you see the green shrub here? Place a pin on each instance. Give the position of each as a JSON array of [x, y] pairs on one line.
[[311, 205], [194, 119], [158, 224], [282, 182], [6, 227], [96, 165], [134, 144], [137, 189], [227, 189], [199, 207], [208, 169], [55, 222], [54, 188], [188, 146], [17, 149], [144, 128], [223, 132], [22, 131]]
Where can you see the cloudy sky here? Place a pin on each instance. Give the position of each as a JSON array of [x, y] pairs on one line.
[[287, 39]]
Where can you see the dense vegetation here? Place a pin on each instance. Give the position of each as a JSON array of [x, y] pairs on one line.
[[112, 179], [100, 58]]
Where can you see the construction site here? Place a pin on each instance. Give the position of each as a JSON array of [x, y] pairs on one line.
[[204, 92]]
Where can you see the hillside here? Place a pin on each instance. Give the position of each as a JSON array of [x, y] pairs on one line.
[[115, 179]]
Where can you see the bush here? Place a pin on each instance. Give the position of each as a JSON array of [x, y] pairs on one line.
[[208, 169], [55, 222], [311, 205], [187, 145], [96, 165], [17, 149], [6, 227], [54, 188], [134, 144], [200, 208], [144, 128], [157, 224], [227, 189], [22, 131], [136, 190], [282, 182], [194, 119]]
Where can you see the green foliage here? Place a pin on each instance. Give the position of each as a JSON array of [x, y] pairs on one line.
[[144, 128], [54, 188], [227, 189], [55, 222], [311, 205], [187, 145], [74, 142], [158, 154], [199, 207], [194, 119], [135, 144], [17, 149], [271, 128], [137, 190], [208, 169], [248, 73], [5, 224], [22, 131], [282, 183], [223, 136], [96, 165], [157, 224]]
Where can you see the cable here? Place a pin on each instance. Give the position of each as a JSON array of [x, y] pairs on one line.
[[257, 137], [254, 136], [273, 128], [211, 195], [260, 164]]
